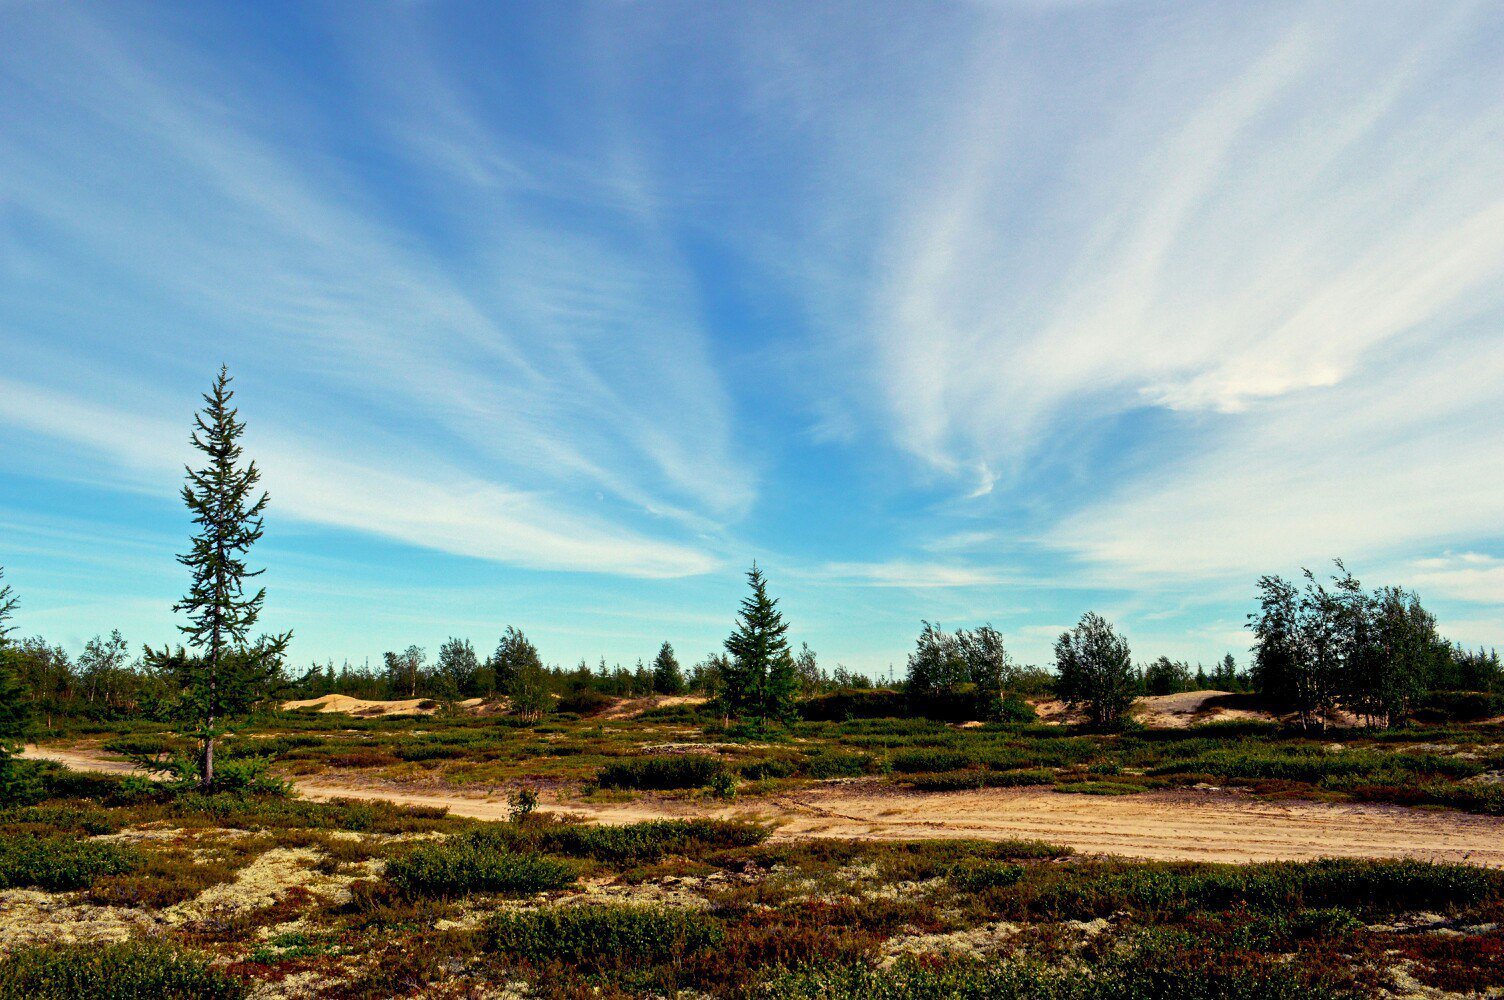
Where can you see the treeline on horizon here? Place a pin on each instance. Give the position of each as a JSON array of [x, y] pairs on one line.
[[1376, 654], [1317, 648]]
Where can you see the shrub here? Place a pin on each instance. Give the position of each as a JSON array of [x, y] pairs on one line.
[[833, 764], [1459, 706], [585, 702], [955, 781], [678, 771], [603, 936], [59, 864], [461, 866], [649, 841], [983, 875], [522, 803], [135, 970], [769, 767], [1138, 979], [927, 760], [838, 706], [1358, 885]]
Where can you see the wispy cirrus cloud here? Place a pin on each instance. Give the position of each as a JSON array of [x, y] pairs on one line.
[[565, 355]]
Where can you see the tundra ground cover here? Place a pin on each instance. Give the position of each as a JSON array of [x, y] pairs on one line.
[[376, 900]]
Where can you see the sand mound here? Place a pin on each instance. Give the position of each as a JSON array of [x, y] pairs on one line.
[[1172, 711], [373, 707], [629, 708], [1190, 708]]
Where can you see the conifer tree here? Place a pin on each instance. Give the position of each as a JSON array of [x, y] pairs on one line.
[[759, 678], [15, 706], [232, 671], [668, 678], [8, 602]]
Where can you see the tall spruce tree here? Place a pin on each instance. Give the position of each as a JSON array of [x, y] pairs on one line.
[[759, 678], [230, 671]]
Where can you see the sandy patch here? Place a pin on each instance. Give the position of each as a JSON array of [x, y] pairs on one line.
[[1190, 708], [1183, 825], [628, 708]]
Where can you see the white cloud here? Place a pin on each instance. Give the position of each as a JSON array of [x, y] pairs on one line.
[[1466, 576], [568, 354], [438, 508], [917, 575]]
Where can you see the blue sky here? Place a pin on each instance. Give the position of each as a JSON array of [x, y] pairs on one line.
[[557, 315]]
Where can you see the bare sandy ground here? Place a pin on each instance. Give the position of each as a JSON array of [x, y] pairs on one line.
[[1191, 825], [370, 707]]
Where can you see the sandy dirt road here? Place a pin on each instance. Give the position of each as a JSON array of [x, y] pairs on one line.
[[1182, 825]]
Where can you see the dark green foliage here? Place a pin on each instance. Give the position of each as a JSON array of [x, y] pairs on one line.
[[915, 761], [981, 876], [134, 970], [636, 843], [944, 662], [17, 781], [1459, 706], [665, 772], [834, 764], [1090, 890], [234, 674], [603, 936], [457, 670], [759, 678], [668, 678], [1149, 979], [957, 781], [59, 864], [1313, 764], [1096, 671], [839, 706], [1167, 676], [8, 603], [461, 865], [585, 702]]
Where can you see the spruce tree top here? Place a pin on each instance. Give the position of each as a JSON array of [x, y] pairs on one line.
[[220, 498], [760, 636]]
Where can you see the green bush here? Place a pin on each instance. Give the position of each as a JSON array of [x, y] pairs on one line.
[[955, 781], [834, 764], [603, 936], [461, 866], [59, 864], [983, 875], [1313, 764], [769, 767], [135, 970], [838, 706], [930, 760], [650, 841], [1360, 885], [585, 702], [1021, 980], [676, 771]]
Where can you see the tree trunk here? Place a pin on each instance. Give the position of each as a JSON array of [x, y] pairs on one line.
[[206, 766]]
